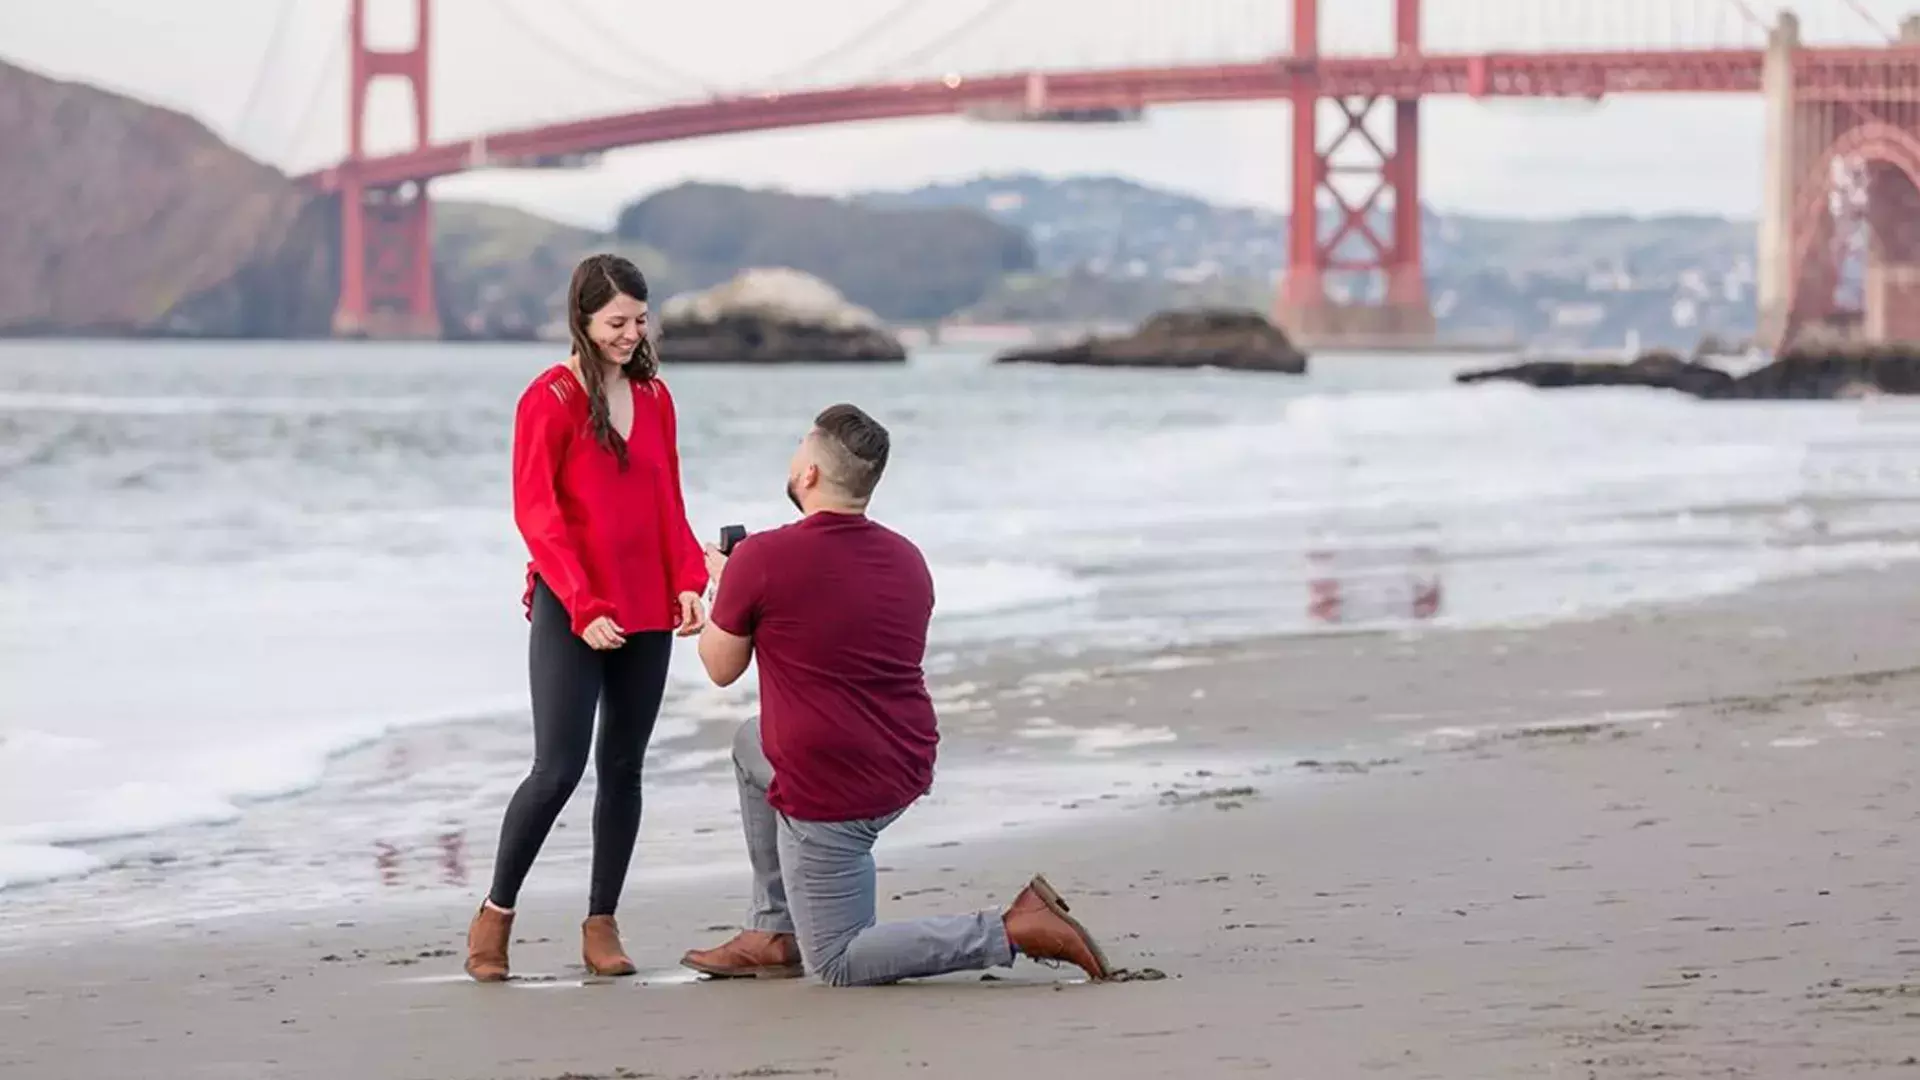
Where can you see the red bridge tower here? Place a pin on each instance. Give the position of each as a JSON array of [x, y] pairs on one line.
[[386, 234], [1840, 220], [1378, 295]]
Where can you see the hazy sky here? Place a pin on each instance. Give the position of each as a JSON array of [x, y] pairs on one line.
[[270, 76]]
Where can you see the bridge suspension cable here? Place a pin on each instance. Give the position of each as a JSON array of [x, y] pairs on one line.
[[1585, 26], [539, 36], [256, 90], [322, 82], [984, 16], [609, 31], [1871, 20], [859, 39], [1746, 12]]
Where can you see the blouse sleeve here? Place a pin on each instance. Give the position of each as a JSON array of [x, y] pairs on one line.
[[541, 430], [689, 563]]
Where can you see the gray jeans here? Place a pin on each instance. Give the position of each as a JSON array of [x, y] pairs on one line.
[[815, 879]]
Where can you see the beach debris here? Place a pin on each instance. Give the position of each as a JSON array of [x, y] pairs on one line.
[[1177, 797]]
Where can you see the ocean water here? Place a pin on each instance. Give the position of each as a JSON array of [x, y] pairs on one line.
[[235, 578]]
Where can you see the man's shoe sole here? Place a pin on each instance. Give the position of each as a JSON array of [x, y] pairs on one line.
[[783, 972], [1048, 896]]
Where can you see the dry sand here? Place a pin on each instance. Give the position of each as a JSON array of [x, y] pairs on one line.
[[1673, 843]]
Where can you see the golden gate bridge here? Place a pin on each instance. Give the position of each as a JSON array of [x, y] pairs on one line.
[[1841, 157]]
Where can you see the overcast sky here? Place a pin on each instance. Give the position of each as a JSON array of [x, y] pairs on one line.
[[270, 76]]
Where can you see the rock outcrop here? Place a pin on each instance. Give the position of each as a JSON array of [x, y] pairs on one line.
[[1657, 369], [1834, 372], [1207, 337], [773, 316], [1813, 372], [126, 218]]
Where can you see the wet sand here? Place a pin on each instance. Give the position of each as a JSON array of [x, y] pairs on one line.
[[1671, 843]]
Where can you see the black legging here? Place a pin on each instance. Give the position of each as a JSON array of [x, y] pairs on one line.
[[568, 678]]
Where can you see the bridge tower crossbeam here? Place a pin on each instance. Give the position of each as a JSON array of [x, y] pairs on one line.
[[1345, 282]]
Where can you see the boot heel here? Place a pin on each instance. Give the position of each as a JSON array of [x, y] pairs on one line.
[[487, 938]]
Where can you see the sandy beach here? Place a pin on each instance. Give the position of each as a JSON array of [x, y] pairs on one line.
[[1675, 842]]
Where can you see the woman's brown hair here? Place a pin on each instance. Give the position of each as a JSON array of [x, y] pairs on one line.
[[596, 281]]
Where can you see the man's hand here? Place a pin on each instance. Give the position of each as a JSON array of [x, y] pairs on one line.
[[716, 563]]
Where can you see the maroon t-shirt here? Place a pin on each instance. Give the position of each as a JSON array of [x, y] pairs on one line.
[[837, 607]]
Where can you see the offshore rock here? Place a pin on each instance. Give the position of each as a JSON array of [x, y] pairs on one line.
[[1657, 369], [1814, 372], [1228, 338], [1837, 371], [773, 316]]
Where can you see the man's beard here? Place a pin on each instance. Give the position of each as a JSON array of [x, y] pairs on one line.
[[794, 498]]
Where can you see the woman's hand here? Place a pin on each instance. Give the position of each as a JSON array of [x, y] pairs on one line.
[[693, 614], [601, 633]]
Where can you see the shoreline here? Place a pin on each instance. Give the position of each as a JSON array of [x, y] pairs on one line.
[[999, 679], [691, 818], [1665, 843]]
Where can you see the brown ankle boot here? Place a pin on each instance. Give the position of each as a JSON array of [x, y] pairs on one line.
[[1038, 925], [751, 954], [487, 938], [600, 947]]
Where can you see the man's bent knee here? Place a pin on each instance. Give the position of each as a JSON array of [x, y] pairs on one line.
[[831, 967], [833, 971]]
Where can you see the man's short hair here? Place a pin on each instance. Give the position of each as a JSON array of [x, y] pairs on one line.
[[856, 448]]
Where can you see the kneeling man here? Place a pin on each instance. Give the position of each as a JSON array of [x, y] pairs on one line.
[[835, 608]]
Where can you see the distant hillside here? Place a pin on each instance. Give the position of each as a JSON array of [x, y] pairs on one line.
[[1112, 226], [1575, 281], [503, 273], [123, 218], [904, 263], [1102, 249]]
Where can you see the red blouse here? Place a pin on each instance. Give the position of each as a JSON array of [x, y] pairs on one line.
[[606, 542]]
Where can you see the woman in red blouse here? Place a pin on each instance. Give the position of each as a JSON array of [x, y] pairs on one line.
[[615, 574]]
